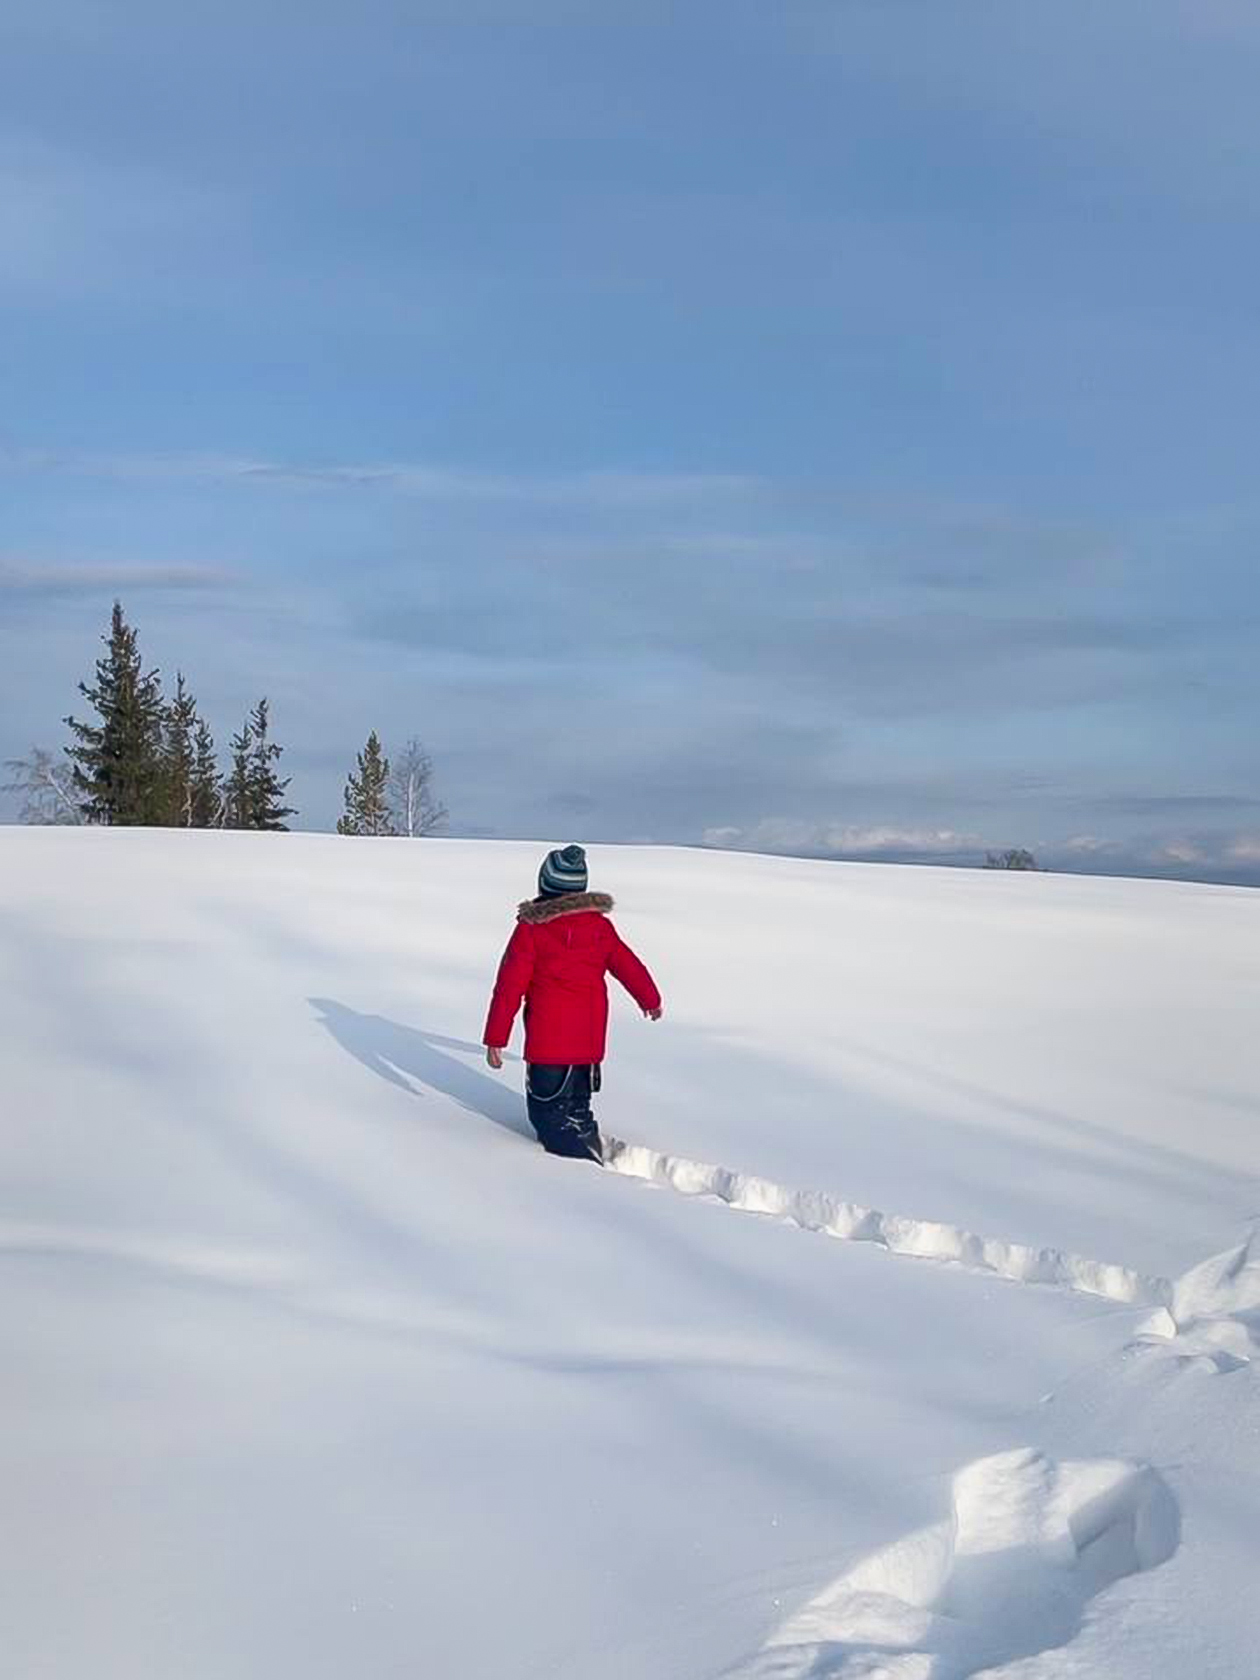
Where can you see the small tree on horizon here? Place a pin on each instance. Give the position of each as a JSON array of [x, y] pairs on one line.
[[179, 754], [1016, 857], [253, 794], [415, 810], [117, 762], [367, 809], [205, 788], [267, 788], [235, 806]]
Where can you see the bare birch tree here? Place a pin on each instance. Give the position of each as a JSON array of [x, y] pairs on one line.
[[415, 809], [46, 788]]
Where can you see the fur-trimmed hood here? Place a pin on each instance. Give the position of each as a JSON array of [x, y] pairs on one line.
[[565, 904]]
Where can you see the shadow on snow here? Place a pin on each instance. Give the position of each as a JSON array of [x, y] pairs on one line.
[[409, 1057]]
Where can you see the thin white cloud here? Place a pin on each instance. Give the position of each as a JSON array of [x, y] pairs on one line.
[[416, 480], [1205, 856], [1202, 852], [788, 834], [1179, 852], [33, 577], [1086, 845]]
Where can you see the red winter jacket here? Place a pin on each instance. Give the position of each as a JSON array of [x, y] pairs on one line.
[[556, 960]]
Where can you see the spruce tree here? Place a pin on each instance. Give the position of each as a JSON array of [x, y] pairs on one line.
[[117, 761], [205, 788], [237, 808], [367, 794], [179, 755], [266, 805]]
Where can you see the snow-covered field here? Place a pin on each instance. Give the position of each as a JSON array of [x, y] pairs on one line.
[[316, 1368]]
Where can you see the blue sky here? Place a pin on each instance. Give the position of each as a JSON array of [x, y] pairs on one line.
[[827, 427]]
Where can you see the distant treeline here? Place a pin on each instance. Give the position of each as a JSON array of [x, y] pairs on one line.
[[143, 758]]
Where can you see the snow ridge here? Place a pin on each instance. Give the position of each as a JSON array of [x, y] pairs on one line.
[[920, 1239]]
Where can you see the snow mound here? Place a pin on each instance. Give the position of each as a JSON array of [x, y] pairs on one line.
[[1007, 1574], [1213, 1314]]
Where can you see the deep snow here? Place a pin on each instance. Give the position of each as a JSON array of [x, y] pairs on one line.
[[315, 1366]]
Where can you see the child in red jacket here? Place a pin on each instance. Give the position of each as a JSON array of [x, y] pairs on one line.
[[556, 960]]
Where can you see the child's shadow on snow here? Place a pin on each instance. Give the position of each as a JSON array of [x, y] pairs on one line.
[[407, 1057]]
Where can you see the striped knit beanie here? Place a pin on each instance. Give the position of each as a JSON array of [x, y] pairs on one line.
[[563, 871]]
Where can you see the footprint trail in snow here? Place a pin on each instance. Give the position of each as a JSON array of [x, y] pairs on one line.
[[921, 1239], [1212, 1313]]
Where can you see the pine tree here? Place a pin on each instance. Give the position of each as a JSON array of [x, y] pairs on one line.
[[265, 803], [118, 770], [367, 794], [205, 788], [236, 809], [179, 755]]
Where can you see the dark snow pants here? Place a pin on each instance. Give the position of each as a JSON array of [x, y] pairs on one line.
[[559, 1104]]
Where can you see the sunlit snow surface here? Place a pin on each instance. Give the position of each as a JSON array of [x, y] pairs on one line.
[[316, 1367]]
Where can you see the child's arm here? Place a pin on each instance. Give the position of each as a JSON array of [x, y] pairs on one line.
[[515, 971], [625, 967]]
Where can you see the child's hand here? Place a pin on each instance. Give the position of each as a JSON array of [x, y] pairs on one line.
[[652, 1014], [493, 1056]]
